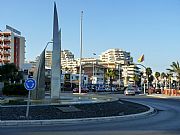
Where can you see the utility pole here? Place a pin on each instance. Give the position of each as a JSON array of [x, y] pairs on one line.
[[80, 66]]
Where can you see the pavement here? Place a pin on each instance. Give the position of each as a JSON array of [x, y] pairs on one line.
[[163, 96]]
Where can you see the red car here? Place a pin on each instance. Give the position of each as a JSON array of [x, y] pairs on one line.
[[83, 90]]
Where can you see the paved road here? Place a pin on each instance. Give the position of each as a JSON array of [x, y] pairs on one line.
[[165, 122]]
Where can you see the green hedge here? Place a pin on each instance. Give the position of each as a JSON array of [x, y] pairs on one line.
[[14, 89]]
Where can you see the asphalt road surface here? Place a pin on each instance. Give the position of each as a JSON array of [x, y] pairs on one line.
[[165, 122]]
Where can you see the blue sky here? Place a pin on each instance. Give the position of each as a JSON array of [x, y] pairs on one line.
[[149, 27]]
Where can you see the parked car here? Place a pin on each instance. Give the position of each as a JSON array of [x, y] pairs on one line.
[[108, 89], [153, 90], [158, 91], [100, 89], [129, 91], [136, 89], [83, 90]]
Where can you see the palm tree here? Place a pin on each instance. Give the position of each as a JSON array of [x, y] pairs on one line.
[[175, 69], [66, 69], [148, 71], [157, 75], [169, 76], [164, 77], [111, 74], [149, 76], [137, 80]]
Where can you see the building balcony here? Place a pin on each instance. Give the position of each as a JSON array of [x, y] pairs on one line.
[[6, 53], [6, 60], [7, 40], [7, 47], [6, 34]]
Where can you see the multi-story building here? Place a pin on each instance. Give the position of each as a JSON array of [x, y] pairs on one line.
[[66, 54], [94, 71], [48, 58], [88, 61], [12, 47], [67, 60], [117, 56], [128, 73]]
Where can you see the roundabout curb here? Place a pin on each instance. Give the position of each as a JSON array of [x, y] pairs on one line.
[[24, 123]]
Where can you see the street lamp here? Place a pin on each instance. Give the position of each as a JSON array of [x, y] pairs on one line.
[[50, 42], [80, 70], [144, 77], [93, 71], [119, 69]]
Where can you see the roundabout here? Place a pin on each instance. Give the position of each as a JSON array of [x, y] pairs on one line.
[[72, 108]]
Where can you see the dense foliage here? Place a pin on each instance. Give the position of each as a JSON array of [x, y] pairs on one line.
[[15, 90]]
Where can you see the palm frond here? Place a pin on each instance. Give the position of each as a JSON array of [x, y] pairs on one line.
[[174, 65], [177, 64], [170, 70]]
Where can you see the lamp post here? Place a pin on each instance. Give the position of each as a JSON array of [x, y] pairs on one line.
[[119, 70], [93, 74], [80, 70], [50, 42], [119, 67], [93, 71], [144, 77]]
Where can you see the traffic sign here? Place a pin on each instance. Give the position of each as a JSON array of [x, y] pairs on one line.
[[30, 84]]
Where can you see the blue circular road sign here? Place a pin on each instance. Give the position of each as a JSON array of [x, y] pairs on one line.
[[30, 84]]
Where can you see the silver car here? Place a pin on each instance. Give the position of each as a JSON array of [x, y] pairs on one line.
[[129, 91]]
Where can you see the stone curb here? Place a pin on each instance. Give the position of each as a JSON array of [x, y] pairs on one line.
[[24, 123], [164, 96]]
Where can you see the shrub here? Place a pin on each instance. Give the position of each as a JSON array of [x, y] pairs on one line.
[[14, 89], [67, 86]]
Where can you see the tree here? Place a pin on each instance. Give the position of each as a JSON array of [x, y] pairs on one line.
[[169, 76], [66, 69], [149, 75], [157, 75], [148, 71], [163, 75], [175, 69], [9, 72], [111, 74], [150, 79], [137, 80], [164, 78]]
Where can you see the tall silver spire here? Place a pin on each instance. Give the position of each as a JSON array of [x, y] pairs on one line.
[[39, 76], [55, 69]]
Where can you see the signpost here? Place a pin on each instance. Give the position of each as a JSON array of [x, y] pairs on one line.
[[29, 84]]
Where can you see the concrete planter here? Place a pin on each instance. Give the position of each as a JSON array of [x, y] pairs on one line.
[[171, 92]]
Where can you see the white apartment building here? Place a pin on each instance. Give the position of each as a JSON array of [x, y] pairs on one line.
[[12, 47], [111, 59], [88, 61], [67, 60], [116, 55], [128, 73], [66, 54], [48, 58]]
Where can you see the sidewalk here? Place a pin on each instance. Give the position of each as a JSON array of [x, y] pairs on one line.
[[163, 96]]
